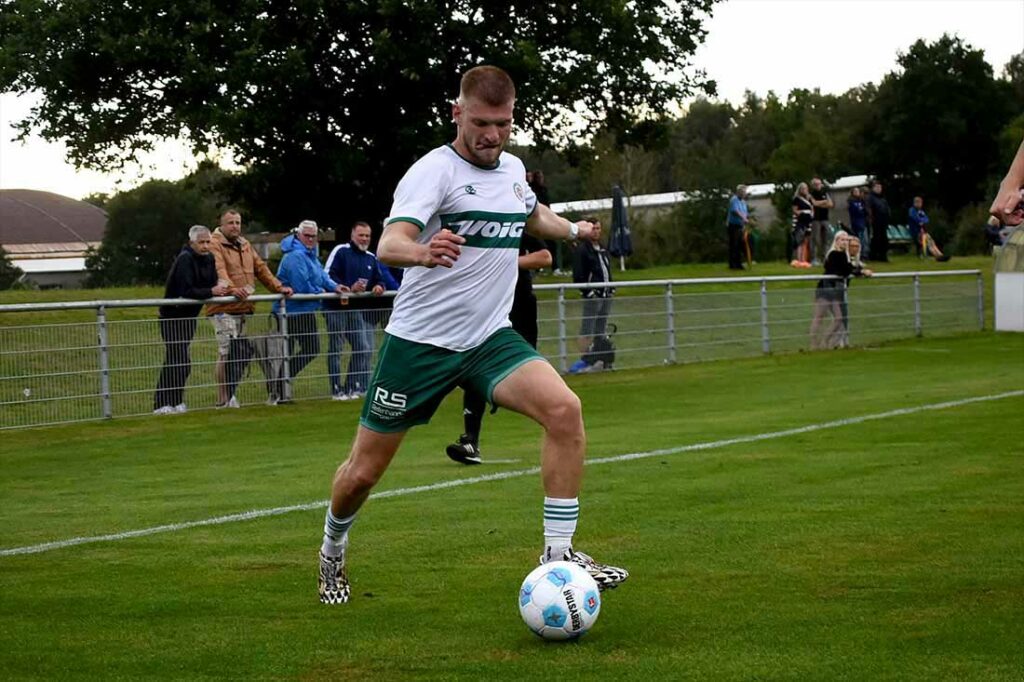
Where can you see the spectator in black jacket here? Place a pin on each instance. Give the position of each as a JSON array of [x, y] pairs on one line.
[[590, 265], [193, 275], [829, 295], [878, 218]]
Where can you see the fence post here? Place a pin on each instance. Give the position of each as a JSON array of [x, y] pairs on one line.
[[917, 305], [287, 351], [981, 302], [104, 348], [670, 310], [563, 354], [766, 341], [845, 343]]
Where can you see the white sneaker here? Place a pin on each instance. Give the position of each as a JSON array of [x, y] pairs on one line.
[[180, 409], [272, 401], [341, 396], [166, 409], [233, 402]]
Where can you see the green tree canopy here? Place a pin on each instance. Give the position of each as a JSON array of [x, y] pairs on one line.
[[146, 228], [327, 103], [936, 123]]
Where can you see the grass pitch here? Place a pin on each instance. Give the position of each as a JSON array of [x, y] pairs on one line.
[[889, 548]]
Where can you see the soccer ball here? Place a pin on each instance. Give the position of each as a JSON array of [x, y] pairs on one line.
[[559, 600]]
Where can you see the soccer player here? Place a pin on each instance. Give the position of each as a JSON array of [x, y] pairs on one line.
[[533, 255], [456, 225]]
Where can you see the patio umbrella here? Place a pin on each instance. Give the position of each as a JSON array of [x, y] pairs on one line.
[[621, 244]]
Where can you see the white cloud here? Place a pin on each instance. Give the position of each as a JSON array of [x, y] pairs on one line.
[[835, 45]]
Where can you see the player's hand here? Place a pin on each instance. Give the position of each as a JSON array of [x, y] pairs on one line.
[[586, 229], [378, 290], [866, 272], [240, 293], [287, 291], [1008, 206], [443, 249]]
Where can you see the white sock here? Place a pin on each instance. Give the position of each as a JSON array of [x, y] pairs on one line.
[[560, 517], [335, 534]]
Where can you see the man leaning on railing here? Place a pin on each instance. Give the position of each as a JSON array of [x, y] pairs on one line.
[[193, 275], [301, 270], [238, 266]]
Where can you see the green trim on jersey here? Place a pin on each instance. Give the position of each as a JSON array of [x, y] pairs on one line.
[[495, 166], [487, 229], [407, 219]]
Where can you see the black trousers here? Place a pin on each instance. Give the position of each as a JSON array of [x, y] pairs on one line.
[[735, 247], [524, 320], [880, 243], [177, 334]]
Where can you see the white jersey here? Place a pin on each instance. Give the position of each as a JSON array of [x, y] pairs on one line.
[[459, 307]]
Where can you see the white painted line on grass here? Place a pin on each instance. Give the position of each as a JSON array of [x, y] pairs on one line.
[[458, 482]]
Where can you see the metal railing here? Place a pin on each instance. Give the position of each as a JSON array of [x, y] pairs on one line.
[[87, 360]]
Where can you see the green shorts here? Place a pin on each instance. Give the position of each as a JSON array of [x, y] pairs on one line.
[[411, 379]]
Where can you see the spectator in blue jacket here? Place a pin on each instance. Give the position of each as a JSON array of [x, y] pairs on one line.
[[739, 215], [300, 269], [353, 266], [917, 220], [858, 217]]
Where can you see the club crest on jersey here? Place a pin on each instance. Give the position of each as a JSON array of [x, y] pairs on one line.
[[518, 189], [470, 189]]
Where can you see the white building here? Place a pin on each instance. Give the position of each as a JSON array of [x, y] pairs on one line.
[[47, 235]]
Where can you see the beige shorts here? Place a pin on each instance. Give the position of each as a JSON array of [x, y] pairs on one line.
[[226, 327]]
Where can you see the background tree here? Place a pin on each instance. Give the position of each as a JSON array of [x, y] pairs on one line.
[[146, 229], [936, 122], [324, 100], [1013, 72], [9, 272]]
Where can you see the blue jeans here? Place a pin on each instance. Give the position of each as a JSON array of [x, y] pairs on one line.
[[350, 326]]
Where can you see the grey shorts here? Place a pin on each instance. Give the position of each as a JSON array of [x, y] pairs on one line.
[[227, 327], [595, 316]]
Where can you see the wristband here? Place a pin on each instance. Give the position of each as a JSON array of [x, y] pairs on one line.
[[574, 231]]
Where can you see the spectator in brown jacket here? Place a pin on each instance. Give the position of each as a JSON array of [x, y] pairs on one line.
[[238, 267]]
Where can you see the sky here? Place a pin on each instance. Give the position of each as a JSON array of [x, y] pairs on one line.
[[757, 45]]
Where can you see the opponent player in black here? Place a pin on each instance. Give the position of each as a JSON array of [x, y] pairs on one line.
[[533, 255]]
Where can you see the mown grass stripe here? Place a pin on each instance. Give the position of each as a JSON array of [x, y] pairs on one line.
[[500, 476]]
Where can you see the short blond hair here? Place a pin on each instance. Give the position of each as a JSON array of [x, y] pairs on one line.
[[489, 84]]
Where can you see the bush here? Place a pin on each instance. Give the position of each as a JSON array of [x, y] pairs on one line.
[[10, 274], [969, 238], [690, 232], [146, 229]]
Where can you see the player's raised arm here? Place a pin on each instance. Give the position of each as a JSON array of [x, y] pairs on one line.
[[399, 247], [547, 224], [1005, 204]]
